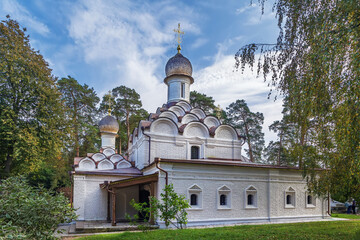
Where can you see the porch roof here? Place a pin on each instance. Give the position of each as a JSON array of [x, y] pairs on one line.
[[130, 181]]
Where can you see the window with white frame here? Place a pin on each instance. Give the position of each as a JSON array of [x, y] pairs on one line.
[[250, 198], [224, 197], [195, 197], [310, 200], [290, 198]]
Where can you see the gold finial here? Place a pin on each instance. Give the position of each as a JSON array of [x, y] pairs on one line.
[[109, 102], [178, 31]]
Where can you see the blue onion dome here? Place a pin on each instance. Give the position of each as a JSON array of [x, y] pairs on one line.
[[178, 65], [109, 124]]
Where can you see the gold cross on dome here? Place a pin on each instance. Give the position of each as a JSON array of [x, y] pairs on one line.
[[179, 32], [109, 102]]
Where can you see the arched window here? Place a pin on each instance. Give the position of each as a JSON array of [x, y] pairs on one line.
[[194, 152], [193, 200], [195, 197], [223, 200], [309, 199], [182, 90], [288, 199], [250, 199]]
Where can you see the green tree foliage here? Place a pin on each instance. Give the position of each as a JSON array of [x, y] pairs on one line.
[[29, 213], [249, 124], [316, 65], [200, 100], [31, 113], [126, 107], [80, 101], [171, 208]]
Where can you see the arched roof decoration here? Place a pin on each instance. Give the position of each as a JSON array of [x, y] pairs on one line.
[[212, 121], [189, 117], [169, 114], [123, 164], [108, 152], [198, 112], [185, 105], [105, 164], [87, 164], [196, 129], [116, 157], [178, 110], [164, 126], [226, 132], [98, 156]]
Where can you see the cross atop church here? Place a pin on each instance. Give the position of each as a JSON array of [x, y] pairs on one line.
[[109, 103], [179, 32]]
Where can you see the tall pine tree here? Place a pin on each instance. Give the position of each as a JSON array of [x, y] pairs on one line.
[[250, 126]]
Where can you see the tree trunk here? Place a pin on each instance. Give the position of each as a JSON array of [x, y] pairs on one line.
[[9, 160], [128, 129]]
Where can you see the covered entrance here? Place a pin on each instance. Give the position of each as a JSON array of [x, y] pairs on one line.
[[145, 185]]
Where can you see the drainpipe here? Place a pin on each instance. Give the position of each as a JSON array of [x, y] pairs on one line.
[[157, 160], [329, 204], [142, 129]]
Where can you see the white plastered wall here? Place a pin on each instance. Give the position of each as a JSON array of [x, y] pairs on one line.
[[269, 183], [90, 201]]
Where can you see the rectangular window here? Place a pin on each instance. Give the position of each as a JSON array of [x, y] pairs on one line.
[[183, 90], [194, 152]]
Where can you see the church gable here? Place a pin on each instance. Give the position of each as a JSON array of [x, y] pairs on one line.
[[178, 110], [211, 121], [198, 112], [86, 164], [185, 105], [105, 164], [189, 117], [196, 129], [164, 126], [226, 132]]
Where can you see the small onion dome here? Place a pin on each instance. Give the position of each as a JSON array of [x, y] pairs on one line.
[[109, 124], [178, 65]]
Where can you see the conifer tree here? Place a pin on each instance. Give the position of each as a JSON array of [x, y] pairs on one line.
[[80, 101], [249, 124]]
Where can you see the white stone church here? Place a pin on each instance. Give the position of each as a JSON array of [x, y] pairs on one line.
[[200, 156]]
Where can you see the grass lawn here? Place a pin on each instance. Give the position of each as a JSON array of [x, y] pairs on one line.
[[343, 215], [310, 230]]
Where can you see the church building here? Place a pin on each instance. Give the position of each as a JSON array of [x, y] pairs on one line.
[[200, 156]]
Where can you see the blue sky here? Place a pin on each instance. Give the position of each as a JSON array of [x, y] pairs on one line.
[[110, 43]]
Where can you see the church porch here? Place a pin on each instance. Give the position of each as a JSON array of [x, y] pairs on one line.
[[146, 187]]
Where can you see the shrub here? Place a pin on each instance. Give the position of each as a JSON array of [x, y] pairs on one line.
[[31, 213]]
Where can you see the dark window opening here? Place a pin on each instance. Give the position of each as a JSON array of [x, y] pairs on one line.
[[309, 199], [250, 199], [193, 200], [182, 90], [222, 200], [288, 199], [194, 152]]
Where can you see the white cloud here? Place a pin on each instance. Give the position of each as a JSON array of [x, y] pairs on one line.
[[18, 12], [245, 8], [129, 40], [252, 13], [226, 86]]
